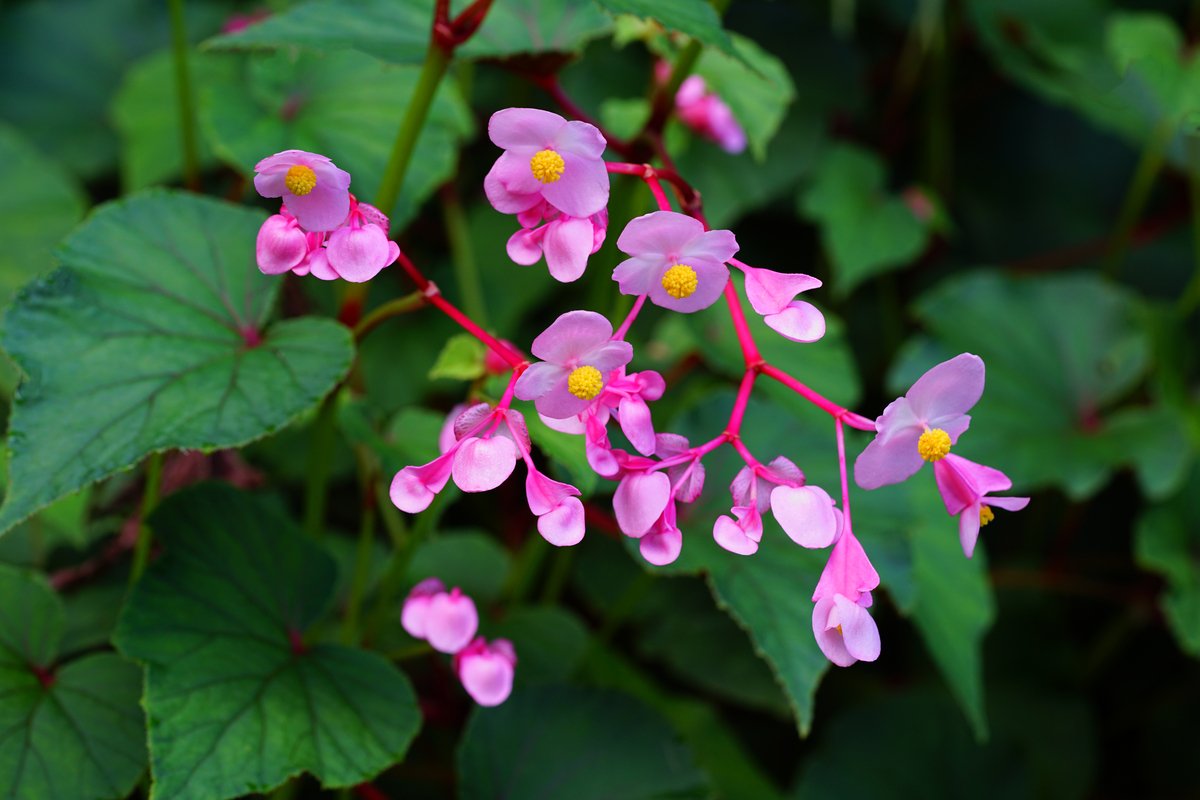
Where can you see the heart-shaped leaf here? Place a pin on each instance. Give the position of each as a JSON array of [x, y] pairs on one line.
[[154, 336], [70, 730], [238, 699]]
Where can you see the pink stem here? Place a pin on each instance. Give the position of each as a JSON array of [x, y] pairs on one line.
[[739, 405], [841, 446], [626, 168], [629, 318], [746, 455], [818, 400], [742, 328], [660, 196]]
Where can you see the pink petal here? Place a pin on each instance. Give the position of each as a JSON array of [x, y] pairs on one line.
[[327, 205], [481, 465], [800, 322], [711, 277], [413, 488], [318, 266], [581, 139], [718, 246], [450, 621], [358, 254], [487, 676], [563, 526], [741, 537], [1008, 503], [639, 275], [525, 246], [510, 186], [949, 389], [608, 356], [639, 500], [572, 335], [560, 403], [572, 425], [848, 570], [882, 463], [525, 128], [568, 244], [583, 188], [770, 292], [634, 416], [544, 494], [658, 233], [806, 515], [858, 638], [280, 245], [416, 606], [661, 547], [284, 160], [968, 529], [540, 378], [650, 385]]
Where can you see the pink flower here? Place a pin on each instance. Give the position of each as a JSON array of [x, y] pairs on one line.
[[844, 630], [313, 189], [447, 620], [281, 245], [772, 295], [546, 158], [486, 670], [577, 355], [707, 114], [663, 543], [359, 249], [674, 260], [641, 498], [965, 487], [806, 513], [922, 425], [565, 241], [557, 507]]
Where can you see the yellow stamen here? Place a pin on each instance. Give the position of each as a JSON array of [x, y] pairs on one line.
[[986, 515], [585, 382], [547, 166], [934, 444], [300, 180], [680, 281]]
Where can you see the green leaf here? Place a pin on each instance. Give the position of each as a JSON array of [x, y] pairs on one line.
[[145, 112], [143, 343], [1167, 541], [550, 642], [40, 204], [238, 700], [1060, 352], [582, 743], [954, 606], [864, 230], [696, 18], [755, 85], [461, 359], [399, 30], [344, 105], [71, 730], [470, 560]]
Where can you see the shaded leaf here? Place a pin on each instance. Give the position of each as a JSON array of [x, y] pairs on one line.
[[696, 18], [470, 560], [238, 700], [460, 359], [1167, 541]]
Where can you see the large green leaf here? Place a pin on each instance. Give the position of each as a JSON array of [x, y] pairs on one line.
[[344, 105], [756, 86], [39, 205], [69, 730], [1167, 542], [399, 30], [578, 743], [696, 18], [154, 336], [865, 230], [1060, 351], [145, 113], [238, 700]]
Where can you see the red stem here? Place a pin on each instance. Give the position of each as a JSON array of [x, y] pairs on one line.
[[754, 360], [818, 400]]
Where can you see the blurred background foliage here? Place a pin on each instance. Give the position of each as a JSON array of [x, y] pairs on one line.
[[1015, 178]]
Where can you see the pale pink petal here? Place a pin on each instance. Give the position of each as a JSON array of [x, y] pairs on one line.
[[568, 244], [571, 336], [639, 500], [540, 378], [450, 621], [324, 208], [741, 537], [848, 570], [659, 232], [639, 275], [883, 464], [711, 277], [799, 322], [691, 91], [806, 515], [968, 528], [770, 292], [481, 465], [583, 188], [948, 389], [825, 624], [446, 437], [650, 385], [636, 424], [510, 186], [473, 420], [544, 494], [319, 267], [486, 675], [280, 245], [608, 356], [560, 403], [859, 631], [358, 254], [525, 246], [718, 246], [416, 606], [661, 547], [563, 526], [1008, 503], [572, 425], [526, 129], [581, 139], [413, 488]]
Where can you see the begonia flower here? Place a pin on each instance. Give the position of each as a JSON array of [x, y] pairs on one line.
[[315, 191], [447, 620], [806, 513], [281, 245], [707, 114], [566, 242], [577, 355], [640, 499], [965, 488], [922, 425], [416, 605], [557, 507], [663, 543], [844, 630], [674, 261], [358, 250], [772, 294], [546, 158], [486, 670]]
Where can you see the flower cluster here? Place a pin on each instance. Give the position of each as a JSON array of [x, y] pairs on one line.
[[321, 229], [449, 621]]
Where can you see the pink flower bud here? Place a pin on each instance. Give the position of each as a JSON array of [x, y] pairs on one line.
[[486, 670], [280, 246], [450, 621], [416, 606]]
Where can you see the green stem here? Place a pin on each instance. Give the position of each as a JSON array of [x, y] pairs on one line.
[[320, 456], [436, 62], [1190, 299], [183, 95], [462, 255], [842, 18], [560, 573], [362, 558], [1140, 186], [141, 550], [392, 308]]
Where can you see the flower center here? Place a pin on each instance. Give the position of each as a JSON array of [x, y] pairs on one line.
[[547, 166], [585, 382], [986, 515], [934, 444], [300, 180], [679, 281]]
